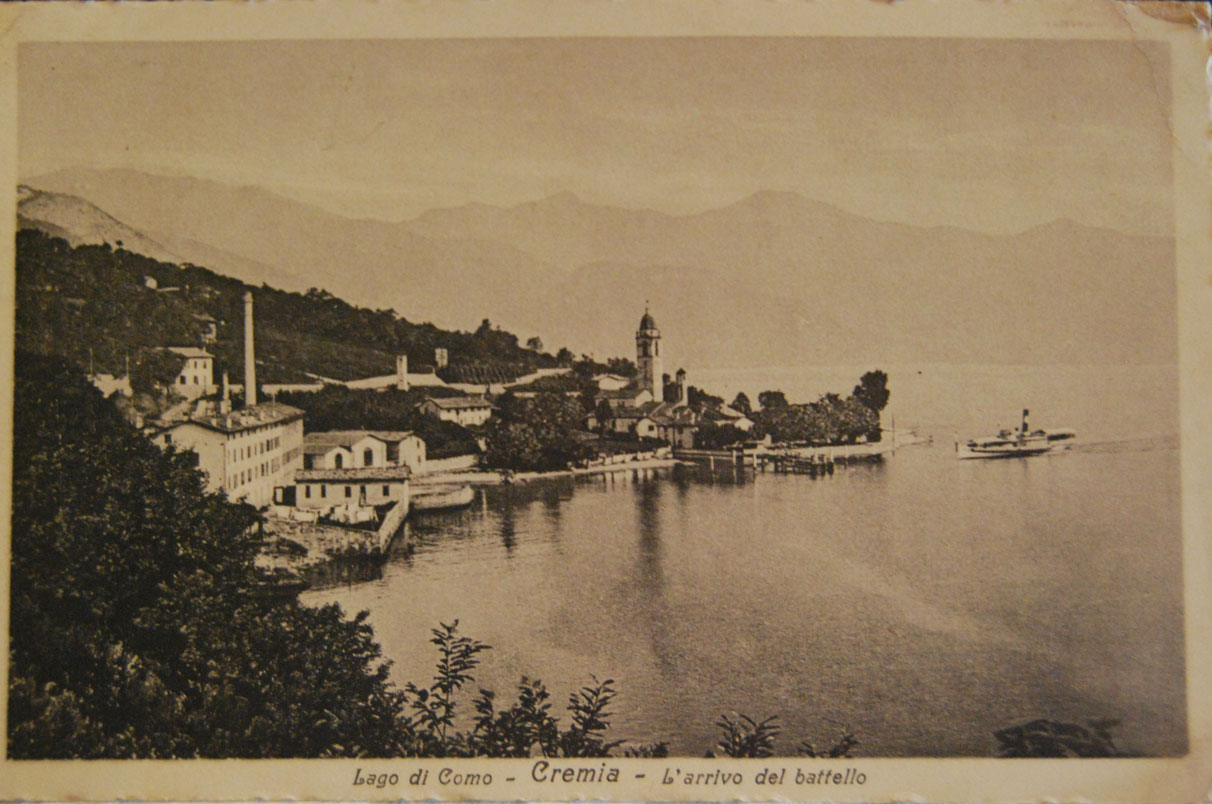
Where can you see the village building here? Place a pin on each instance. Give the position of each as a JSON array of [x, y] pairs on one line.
[[640, 408], [246, 452], [727, 415], [465, 410], [611, 382], [344, 449], [353, 488], [197, 376], [208, 327]]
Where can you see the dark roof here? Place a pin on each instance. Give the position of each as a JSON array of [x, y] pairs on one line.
[[243, 418], [670, 413], [647, 322], [460, 402], [188, 351], [630, 392], [353, 474]]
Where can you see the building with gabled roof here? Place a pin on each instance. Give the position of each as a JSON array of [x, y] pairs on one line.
[[334, 449], [197, 376], [465, 410], [351, 487]]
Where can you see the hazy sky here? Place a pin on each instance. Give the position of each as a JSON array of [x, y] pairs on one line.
[[991, 135]]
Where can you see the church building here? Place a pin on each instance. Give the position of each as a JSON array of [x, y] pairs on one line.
[[641, 408]]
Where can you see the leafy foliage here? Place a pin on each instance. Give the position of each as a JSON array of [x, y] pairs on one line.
[[719, 436], [1054, 739], [746, 737], [769, 400], [845, 745], [434, 706], [72, 299], [155, 370], [590, 719], [536, 434], [336, 407], [872, 391], [829, 420], [139, 624]]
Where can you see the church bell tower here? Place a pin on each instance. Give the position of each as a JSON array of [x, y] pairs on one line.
[[648, 356]]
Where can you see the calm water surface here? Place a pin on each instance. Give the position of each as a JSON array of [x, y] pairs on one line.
[[923, 602]]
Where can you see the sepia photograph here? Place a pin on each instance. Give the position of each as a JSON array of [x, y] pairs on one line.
[[619, 405]]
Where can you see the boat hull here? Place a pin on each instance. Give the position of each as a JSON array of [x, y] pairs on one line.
[[442, 500], [969, 453]]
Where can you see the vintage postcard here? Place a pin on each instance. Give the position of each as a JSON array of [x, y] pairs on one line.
[[621, 401]]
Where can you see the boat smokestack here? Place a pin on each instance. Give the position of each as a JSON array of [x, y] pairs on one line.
[[250, 358], [1025, 412]]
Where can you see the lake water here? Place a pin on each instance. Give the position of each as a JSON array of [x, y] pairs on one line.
[[922, 603]]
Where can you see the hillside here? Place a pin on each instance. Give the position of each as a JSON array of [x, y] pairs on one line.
[[91, 303], [81, 223], [775, 278]]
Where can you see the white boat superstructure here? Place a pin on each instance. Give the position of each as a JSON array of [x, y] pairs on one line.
[[1018, 443]]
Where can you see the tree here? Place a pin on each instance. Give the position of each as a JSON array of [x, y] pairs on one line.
[[872, 390], [741, 403], [769, 400], [718, 437], [140, 624], [155, 370], [1053, 739], [536, 434], [604, 414]]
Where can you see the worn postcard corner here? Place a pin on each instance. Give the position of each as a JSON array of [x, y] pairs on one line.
[[606, 402]]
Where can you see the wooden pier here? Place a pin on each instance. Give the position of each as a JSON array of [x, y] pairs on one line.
[[814, 461]]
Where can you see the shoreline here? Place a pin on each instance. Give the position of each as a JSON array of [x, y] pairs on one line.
[[497, 478]]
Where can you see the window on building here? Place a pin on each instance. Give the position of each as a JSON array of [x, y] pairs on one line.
[[386, 491], [368, 457], [363, 492], [168, 438], [307, 492], [195, 379], [323, 491], [349, 491], [181, 380], [338, 460]]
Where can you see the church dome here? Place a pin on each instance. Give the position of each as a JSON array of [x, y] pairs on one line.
[[647, 322]]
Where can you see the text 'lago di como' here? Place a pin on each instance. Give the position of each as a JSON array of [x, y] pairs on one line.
[[544, 771]]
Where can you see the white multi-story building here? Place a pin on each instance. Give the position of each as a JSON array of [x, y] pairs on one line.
[[197, 377], [246, 452]]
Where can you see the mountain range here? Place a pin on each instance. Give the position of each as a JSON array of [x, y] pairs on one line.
[[773, 279]]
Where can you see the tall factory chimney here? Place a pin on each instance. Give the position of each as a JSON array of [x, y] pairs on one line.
[[402, 372], [250, 357]]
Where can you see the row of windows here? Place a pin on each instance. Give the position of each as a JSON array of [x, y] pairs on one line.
[[269, 467], [242, 434], [260, 448], [348, 491]]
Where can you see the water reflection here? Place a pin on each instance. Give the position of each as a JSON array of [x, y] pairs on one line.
[[509, 529], [919, 600]]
